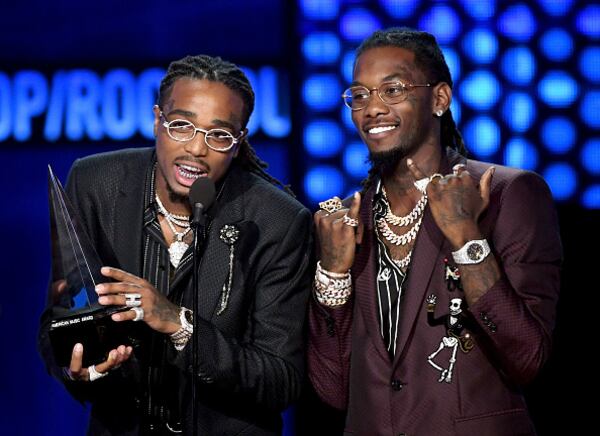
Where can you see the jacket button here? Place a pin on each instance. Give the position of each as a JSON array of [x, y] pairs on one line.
[[396, 385]]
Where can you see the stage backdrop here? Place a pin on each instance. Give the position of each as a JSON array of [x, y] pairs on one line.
[[77, 79]]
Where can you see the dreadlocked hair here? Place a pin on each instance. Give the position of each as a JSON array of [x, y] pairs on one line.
[[215, 69], [430, 60]]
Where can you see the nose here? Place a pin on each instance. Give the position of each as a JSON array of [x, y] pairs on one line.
[[197, 145], [375, 105]]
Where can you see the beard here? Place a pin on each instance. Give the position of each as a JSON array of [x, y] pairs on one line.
[[175, 197], [387, 161]]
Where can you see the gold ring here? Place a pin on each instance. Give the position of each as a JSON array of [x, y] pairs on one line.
[[332, 205]]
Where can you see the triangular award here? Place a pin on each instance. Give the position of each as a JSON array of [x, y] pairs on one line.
[[77, 317]]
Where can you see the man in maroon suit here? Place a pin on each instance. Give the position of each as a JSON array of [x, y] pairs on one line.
[[437, 285]]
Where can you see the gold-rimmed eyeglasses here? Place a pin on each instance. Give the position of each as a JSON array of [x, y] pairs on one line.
[[358, 97], [216, 139]]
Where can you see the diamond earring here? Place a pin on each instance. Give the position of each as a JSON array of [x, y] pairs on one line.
[[439, 112]]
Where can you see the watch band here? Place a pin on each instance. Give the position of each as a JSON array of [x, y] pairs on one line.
[[180, 337], [473, 252]]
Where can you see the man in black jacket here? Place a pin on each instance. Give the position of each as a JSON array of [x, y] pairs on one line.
[[253, 278]]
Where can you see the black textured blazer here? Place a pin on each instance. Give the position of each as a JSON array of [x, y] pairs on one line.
[[252, 353]]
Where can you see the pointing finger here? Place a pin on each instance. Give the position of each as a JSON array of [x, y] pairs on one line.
[[415, 170], [354, 206], [485, 183]]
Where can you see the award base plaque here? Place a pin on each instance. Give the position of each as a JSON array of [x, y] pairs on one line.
[[95, 330], [75, 314]]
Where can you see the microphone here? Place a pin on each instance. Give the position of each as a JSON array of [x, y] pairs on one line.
[[202, 196]]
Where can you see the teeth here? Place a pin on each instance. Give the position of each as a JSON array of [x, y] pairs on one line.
[[190, 169], [189, 172], [376, 130]]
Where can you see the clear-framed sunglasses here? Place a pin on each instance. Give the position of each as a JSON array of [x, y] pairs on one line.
[[358, 97], [216, 139]]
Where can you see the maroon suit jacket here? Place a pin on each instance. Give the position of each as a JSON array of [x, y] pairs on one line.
[[511, 325]]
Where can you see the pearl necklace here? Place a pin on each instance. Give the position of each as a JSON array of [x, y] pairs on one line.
[[178, 247]]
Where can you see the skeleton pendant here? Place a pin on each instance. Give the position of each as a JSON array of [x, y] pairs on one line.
[[176, 251], [454, 322]]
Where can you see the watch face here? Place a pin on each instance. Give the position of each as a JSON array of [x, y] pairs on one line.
[[475, 251]]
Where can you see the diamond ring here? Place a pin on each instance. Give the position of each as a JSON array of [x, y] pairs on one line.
[[139, 313]]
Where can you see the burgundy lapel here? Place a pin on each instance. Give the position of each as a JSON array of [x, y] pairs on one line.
[[364, 275]]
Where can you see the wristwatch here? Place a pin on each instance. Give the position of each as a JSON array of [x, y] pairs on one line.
[[181, 336], [472, 252]]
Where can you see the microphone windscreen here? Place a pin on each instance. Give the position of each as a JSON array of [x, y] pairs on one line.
[[202, 191]]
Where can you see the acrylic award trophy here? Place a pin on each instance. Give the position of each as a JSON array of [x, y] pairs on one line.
[[77, 317]]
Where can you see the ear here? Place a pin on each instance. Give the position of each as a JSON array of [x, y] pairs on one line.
[[156, 111], [238, 145], [442, 97]]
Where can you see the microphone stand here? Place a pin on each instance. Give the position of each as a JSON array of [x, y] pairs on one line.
[[197, 224]]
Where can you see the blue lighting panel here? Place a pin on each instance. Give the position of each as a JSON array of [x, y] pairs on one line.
[[443, 22], [588, 21], [482, 136], [323, 182], [399, 8], [518, 65], [519, 111], [357, 24], [346, 115], [321, 48], [556, 8], [348, 66], [590, 109], [480, 90], [556, 45], [323, 138], [527, 77], [590, 156], [480, 9], [453, 61], [589, 63], [456, 109], [591, 197], [322, 91], [558, 134], [517, 23], [355, 159], [480, 45], [562, 179], [520, 153], [320, 9], [558, 89]]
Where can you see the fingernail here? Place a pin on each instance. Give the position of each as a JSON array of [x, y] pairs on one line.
[[104, 270], [409, 161], [78, 348], [102, 300], [356, 195], [98, 288]]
